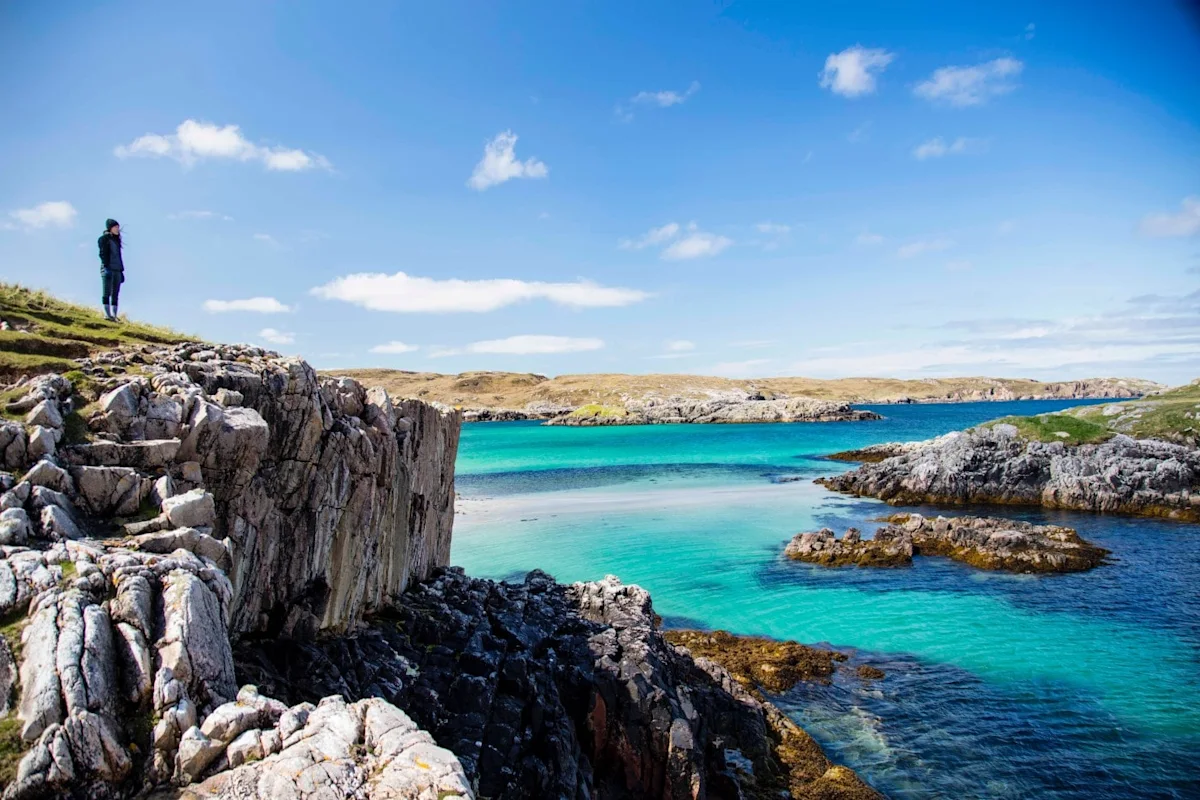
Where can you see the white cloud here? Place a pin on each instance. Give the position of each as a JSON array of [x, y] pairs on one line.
[[195, 141], [524, 345], [652, 237], [773, 228], [970, 86], [1030, 31], [696, 244], [260, 305], [1185, 223], [680, 346], [913, 249], [937, 147], [684, 242], [267, 239], [499, 164], [411, 294], [394, 348], [852, 72], [665, 99], [868, 238], [277, 336], [56, 213], [200, 215]]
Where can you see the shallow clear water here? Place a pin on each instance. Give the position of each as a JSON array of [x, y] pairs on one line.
[[1072, 686]]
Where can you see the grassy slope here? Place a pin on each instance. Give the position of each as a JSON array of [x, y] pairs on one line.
[[515, 390], [1172, 415], [47, 332]]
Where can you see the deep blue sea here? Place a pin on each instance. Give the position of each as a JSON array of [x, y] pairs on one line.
[[998, 686]]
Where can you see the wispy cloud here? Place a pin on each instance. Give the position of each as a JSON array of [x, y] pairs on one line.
[[1148, 333], [53, 214], [195, 141], [866, 238], [524, 345], [679, 242], [913, 249], [970, 86], [680, 346], [412, 294], [853, 72], [660, 99], [260, 305], [860, 134], [773, 228], [394, 348], [937, 147], [500, 164], [200, 215], [1030, 31], [267, 238], [959, 265], [1184, 223], [277, 336]]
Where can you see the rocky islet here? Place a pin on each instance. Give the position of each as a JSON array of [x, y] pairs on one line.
[[984, 542]]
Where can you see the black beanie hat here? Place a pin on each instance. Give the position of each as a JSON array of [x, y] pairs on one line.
[[108, 224]]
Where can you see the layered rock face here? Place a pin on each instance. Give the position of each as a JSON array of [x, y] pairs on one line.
[[546, 690], [995, 465], [983, 542], [718, 410]]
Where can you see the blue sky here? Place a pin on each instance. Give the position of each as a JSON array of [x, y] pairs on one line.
[[727, 188]]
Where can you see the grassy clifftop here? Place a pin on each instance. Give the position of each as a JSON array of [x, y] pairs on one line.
[[45, 333], [1172, 415]]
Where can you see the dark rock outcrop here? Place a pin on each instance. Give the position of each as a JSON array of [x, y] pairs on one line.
[[995, 465], [545, 690], [983, 542]]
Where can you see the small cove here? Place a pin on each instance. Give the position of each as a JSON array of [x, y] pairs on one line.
[[998, 685]]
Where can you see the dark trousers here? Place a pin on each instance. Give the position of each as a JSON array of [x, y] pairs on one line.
[[110, 285]]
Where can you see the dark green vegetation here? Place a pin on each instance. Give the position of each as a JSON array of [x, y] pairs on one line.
[[1172, 415], [46, 333]]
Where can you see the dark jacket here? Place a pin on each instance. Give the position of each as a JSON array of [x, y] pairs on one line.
[[110, 252]]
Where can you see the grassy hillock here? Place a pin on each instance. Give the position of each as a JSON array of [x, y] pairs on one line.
[[45, 333], [1171, 415]]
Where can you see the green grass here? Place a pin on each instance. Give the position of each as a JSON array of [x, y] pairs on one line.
[[1057, 428], [598, 410], [1172, 415], [47, 332], [12, 748]]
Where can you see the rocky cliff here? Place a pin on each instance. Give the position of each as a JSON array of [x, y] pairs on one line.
[[716, 410], [996, 465], [165, 508]]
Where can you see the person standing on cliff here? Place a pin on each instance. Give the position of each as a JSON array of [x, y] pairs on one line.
[[112, 268]]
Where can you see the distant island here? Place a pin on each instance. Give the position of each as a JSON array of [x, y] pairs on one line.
[[617, 399]]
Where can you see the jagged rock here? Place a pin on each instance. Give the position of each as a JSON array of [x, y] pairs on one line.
[[47, 473], [228, 397], [110, 491], [13, 441], [42, 442], [188, 539], [246, 747], [715, 410], [46, 414], [230, 720], [192, 509], [144, 455], [8, 677], [40, 705], [120, 408], [196, 752], [368, 749], [152, 525], [984, 542], [995, 465], [164, 417], [14, 526], [195, 644], [163, 489], [629, 715]]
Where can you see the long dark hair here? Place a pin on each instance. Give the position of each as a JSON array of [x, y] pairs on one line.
[[109, 224]]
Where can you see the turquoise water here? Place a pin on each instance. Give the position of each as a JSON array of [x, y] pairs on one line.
[[1074, 686]]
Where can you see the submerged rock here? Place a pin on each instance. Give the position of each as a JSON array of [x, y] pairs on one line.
[[983, 542]]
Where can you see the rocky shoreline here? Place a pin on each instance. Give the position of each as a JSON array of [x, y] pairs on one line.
[[181, 521], [995, 465], [988, 543], [715, 411]]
